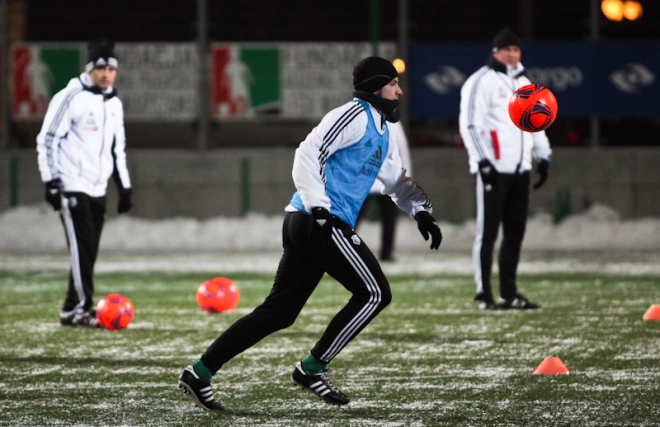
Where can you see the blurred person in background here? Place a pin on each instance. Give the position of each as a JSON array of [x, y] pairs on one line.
[[333, 170], [387, 209], [81, 143], [500, 156]]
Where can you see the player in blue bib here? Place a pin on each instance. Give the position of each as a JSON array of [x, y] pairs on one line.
[[334, 168]]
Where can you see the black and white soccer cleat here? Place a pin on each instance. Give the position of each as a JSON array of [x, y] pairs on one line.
[[485, 303], [198, 390], [87, 319], [518, 302], [320, 385]]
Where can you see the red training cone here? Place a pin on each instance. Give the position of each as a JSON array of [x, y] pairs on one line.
[[653, 313], [551, 366]]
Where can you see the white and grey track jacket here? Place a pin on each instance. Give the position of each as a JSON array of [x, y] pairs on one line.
[[485, 126], [82, 139]]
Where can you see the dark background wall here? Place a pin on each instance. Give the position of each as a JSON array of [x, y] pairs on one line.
[[331, 20], [231, 181], [622, 177], [324, 20]]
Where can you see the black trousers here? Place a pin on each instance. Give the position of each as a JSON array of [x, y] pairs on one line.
[[345, 257], [389, 212], [505, 203], [83, 219]]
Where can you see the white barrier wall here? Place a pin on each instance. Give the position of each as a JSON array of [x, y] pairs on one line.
[[228, 182]]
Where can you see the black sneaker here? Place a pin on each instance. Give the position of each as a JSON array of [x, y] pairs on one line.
[[85, 320], [198, 389], [484, 303], [66, 318], [320, 385], [518, 302]]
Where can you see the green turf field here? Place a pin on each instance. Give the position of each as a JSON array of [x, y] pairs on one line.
[[430, 359]]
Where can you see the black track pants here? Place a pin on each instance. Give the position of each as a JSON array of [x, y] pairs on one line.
[[83, 222], [506, 203], [346, 258]]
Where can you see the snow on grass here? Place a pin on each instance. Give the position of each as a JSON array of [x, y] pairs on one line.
[[430, 359], [37, 229], [429, 263]]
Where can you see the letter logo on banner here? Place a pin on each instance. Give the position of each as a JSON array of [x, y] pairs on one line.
[[158, 81], [446, 80], [557, 78], [633, 78]]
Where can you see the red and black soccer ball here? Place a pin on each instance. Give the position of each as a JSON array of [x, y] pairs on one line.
[[218, 295], [533, 108], [115, 311]]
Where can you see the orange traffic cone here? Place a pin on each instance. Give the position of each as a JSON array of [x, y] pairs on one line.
[[653, 313], [551, 366]]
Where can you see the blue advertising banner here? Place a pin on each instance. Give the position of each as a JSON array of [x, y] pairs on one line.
[[605, 78], [628, 75]]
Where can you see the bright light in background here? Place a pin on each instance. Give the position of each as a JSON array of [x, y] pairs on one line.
[[399, 65], [616, 10], [612, 9], [632, 10]]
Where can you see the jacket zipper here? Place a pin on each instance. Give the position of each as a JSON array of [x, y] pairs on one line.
[[102, 142], [522, 137]]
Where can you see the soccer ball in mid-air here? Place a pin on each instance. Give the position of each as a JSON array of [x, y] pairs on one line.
[[115, 311], [533, 108], [218, 295]]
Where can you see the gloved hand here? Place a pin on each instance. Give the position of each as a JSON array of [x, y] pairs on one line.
[[54, 193], [125, 204], [542, 169], [487, 172], [427, 225], [320, 228]]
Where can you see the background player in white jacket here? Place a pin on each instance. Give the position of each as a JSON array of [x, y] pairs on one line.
[[334, 168], [81, 144], [500, 156]]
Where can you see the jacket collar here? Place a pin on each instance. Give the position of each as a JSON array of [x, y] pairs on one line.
[[89, 86], [502, 68]]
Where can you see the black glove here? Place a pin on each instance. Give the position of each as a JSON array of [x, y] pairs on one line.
[[54, 193], [542, 169], [125, 204], [320, 228], [426, 224], [487, 172]]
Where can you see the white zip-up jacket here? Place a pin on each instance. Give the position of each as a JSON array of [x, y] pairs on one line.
[[82, 139], [485, 126]]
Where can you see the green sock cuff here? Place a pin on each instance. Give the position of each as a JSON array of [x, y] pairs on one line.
[[312, 365], [202, 371]]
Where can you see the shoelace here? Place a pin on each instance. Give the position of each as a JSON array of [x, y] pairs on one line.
[[85, 319], [324, 377]]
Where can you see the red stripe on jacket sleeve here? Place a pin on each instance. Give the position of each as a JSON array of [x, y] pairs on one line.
[[496, 144]]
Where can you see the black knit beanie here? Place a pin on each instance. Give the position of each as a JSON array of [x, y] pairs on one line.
[[504, 38], [100, 54], [372, 73]]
